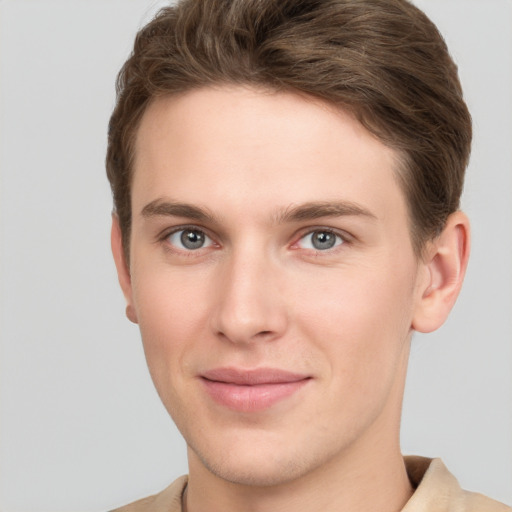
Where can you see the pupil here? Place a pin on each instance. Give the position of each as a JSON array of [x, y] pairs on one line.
[[323, 240], [192, 239]]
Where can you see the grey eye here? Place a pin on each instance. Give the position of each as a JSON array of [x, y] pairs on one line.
[[189, 239], [192, 239], [320, 240]]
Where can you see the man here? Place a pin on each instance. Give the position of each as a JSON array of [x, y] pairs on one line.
[[286, 178]]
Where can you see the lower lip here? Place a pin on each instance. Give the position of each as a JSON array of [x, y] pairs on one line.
[[251, 398]]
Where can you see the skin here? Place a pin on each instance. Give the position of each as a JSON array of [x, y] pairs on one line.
[[262, 167]]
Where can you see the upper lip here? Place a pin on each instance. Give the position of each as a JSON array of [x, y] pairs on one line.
[[252, 376]]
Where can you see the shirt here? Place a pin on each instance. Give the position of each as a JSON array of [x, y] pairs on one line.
[[436, 490]]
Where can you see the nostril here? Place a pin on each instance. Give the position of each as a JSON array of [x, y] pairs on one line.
[[264, 334]]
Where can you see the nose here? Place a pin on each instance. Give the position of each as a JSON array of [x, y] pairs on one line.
[[250, 303]]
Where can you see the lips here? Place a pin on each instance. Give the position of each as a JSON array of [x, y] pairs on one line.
[[251, 390]]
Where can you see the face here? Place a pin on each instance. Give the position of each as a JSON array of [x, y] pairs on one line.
[[273, 278]]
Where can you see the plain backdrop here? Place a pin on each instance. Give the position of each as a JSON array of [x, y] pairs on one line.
[[81, 426]]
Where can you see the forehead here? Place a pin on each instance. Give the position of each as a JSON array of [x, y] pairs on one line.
[[241, 147]]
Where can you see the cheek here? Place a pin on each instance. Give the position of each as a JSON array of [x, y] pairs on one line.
[[168, 301], [360, 321], [172, 315]]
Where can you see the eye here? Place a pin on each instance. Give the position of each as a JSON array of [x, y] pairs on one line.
[[189, 239], [320, 240]]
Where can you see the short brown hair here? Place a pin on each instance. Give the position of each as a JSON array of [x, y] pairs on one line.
[[382, 60]]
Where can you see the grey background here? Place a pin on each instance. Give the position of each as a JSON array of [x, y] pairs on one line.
[[81, 426]]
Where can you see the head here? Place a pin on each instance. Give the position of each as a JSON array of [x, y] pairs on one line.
[[286, 180], [383, 61]]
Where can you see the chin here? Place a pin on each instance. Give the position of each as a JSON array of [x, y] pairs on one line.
[[256, 463], [255, 472]]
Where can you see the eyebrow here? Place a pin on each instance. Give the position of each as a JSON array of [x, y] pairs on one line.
[[161, 207], [302, 212], [317, 210]]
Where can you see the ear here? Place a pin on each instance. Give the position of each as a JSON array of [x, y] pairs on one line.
[[445, 263], [123, 270]]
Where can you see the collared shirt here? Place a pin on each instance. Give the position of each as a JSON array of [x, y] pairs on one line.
[[436, 490]]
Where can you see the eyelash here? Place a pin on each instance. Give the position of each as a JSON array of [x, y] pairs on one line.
[[342, 238], [164, 238]]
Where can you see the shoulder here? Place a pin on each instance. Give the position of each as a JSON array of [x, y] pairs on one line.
[[438, 490], [474, 502], [169, 500]]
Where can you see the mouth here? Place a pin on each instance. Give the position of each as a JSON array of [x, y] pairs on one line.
[[251, 390]]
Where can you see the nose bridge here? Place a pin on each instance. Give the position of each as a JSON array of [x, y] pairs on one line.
[[249, 303]]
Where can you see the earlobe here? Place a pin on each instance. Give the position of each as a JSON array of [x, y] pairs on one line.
[[123, 271], [130, 314], [445, 266]]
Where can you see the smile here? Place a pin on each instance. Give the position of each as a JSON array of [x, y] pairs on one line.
[[251, 390]]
